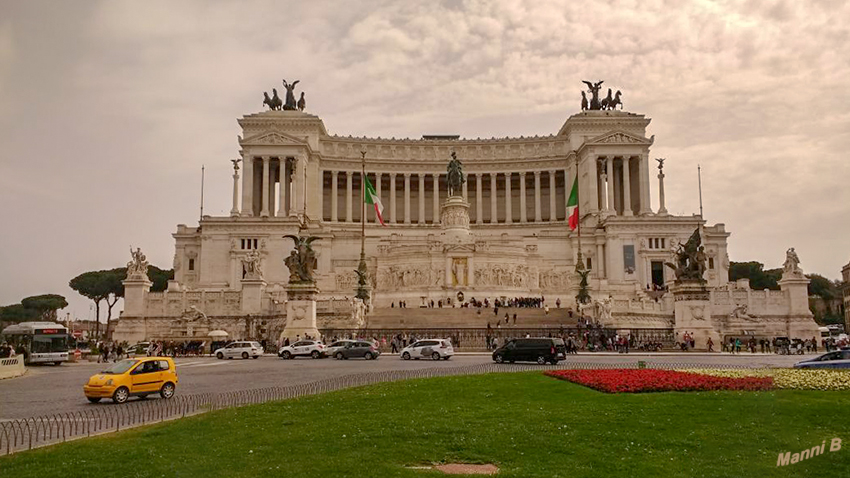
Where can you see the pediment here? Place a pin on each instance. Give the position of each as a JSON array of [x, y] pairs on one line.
[[459, 247], [273, 138], [619, 137]]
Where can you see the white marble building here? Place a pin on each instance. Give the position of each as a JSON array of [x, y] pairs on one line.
[[295, 176]]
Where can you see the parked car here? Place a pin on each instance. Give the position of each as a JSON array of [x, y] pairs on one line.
[[435, 349], [836, 359], [133, 377], [140, 348], [240, 349], [302, 348], [357, 349], [337, 345], [540, 350]]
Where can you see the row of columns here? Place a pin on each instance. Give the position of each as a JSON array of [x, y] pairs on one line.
[[259, 176], [614, 185], [350, 198]]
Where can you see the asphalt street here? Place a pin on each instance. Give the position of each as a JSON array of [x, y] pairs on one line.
[[49, 389]]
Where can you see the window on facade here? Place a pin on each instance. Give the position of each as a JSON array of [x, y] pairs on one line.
[[657, 243], [249, 244], [191, 264], [589, 263], [711, 263]]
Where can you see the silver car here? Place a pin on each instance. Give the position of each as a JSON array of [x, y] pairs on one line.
[[336, 346], [434, 349], [240, 349], [836, 359]]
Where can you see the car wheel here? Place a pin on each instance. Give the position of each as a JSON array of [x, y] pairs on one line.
[[405, 356], [315, 354], [367, 356], [286, 355], [499, 359], [447, 357], [94, 399], [339, 356], [244, 355], [554, 362], [121, 395], [57, 363], [541, 360], [435, 356], [167, 390], [256, 357], [219, 355]]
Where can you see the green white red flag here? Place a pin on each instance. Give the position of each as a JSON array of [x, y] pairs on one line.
[[572, 206], [371, 197]]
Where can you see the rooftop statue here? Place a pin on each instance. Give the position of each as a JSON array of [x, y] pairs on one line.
[[455, 177], [610, 102], [593, 89], [274, 102], [690, 260], [791, 267], [302, 260], [290, 104], [138, 265], [302, 103]]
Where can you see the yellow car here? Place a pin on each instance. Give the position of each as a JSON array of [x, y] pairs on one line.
[[138, 377]]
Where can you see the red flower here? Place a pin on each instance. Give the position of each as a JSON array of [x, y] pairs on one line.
[[649, 380]]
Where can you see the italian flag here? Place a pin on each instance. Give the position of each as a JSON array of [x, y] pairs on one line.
[[371, 197], [572, 206]]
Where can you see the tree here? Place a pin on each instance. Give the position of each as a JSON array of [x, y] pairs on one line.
[[99, 286], [822, 287], [754, 271], [17, 313], [159, 278], [45, 305]]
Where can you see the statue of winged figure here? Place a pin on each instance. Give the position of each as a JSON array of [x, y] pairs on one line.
[[302, 262]]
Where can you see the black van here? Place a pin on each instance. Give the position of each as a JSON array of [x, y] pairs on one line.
[[540, 350]]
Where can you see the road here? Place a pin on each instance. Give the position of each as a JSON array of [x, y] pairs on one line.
[[51, 389]]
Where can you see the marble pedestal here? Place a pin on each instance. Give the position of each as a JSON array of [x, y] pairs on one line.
[[300, 311], [692, 311], [252, 295]]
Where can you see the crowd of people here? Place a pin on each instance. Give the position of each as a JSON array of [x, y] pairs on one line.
[[7, 350]]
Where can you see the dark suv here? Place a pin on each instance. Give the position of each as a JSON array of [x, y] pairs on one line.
[[540, 350]]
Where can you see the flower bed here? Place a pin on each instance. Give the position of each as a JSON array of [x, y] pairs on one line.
[[649, 380], [795, 379]]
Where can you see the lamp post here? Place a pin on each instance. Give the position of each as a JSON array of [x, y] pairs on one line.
[[362, 271]]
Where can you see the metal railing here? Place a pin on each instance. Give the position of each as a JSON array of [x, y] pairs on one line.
[[28, 433]]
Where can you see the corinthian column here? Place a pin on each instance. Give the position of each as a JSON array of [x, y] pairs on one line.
[[508, 200], [537, 215], [479, 200], [627, 189], [609, 172], [421, 199], [334, 195], [522, 213], [234, 211], [378, 192], [436, 213], [248, 185], [662, 208], [407, 198], [494, 207], [265, 189], [552, 195], [349, 190], [393, 217]]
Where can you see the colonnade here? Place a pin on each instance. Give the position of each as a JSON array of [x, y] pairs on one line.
[[269, 187], [511, 198], [623, 185]]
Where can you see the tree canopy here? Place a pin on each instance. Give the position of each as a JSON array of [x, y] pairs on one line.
[[37, 307], [159, 278], [754, 271]]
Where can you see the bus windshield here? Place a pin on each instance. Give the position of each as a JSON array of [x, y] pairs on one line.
[[49, 343]]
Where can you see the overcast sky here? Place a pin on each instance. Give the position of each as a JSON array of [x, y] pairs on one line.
[[108, 109]]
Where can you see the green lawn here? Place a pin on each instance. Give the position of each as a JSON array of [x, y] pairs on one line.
[[527, 424]]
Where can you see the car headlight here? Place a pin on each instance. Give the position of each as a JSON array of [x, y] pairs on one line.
[[109, 382]]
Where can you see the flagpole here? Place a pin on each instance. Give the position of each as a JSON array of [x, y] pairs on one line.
[[579, 260]]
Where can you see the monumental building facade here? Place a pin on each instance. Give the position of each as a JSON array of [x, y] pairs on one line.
[[294, 177]]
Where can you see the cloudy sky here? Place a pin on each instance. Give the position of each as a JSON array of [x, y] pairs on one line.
[[108, 109]]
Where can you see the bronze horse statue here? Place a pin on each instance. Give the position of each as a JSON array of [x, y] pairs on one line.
[[274, 103], [610, 103]]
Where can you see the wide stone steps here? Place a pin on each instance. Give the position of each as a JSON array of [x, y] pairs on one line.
[[393, 318]]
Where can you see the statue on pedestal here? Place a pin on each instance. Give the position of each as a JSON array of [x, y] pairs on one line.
[[690, 260], [791, 267], [302, 260], [251, 268], [455, 178], [740, 312], [593, 89], [138, 265]]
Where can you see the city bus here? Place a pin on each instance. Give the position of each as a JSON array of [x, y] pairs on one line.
[[38, 342]]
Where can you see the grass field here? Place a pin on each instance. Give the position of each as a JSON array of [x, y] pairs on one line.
[[527, 424]]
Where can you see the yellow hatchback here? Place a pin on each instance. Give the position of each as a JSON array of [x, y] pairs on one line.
[[138, 377]]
